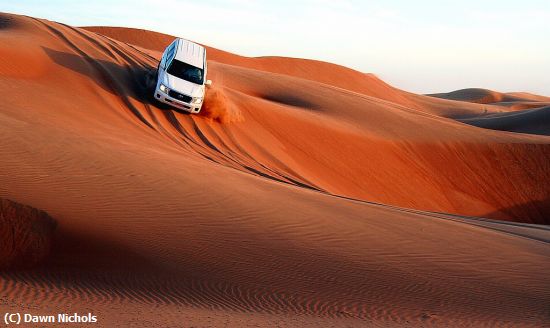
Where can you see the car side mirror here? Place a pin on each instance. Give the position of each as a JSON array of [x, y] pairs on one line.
[[208, 82]]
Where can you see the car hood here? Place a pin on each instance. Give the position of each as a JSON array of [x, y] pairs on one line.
[[182, 86]]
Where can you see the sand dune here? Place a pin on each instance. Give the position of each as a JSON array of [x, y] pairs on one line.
[[513, 100], [306, 193], [526, 113], [484, 96]]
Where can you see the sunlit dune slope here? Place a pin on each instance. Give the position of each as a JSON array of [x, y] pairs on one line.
[[259, 211], [385, 132]]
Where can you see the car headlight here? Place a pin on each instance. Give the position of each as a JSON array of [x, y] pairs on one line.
[[197, 100], [163, 88]]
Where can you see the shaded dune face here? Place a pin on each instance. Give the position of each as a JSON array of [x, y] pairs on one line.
[[25, 235], [529, 120], [523, 112], [5, 21]]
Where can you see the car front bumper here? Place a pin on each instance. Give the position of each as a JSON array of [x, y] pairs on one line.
[[163, 97]]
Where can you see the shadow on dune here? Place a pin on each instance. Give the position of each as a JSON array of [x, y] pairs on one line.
[[537, 212], [25, 235], [532, 121], [305, 282], [5, 21], [123, 81], [289, 99], [477, 95], [102, 271], [105, 271]]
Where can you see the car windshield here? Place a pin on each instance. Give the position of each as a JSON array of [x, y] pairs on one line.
[[185, 71]]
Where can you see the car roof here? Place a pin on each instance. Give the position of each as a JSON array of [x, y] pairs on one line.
[[190, 53]]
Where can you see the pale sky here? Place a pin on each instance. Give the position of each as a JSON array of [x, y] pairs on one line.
[[421, 46]]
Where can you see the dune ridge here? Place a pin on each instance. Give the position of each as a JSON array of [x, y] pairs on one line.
[[298, 211]]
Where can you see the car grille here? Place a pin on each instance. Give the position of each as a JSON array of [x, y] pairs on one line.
[[180, 96]]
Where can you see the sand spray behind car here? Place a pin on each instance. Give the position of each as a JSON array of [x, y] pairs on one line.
[[217, 105]]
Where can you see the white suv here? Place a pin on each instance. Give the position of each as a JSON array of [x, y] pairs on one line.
[[181, 76]]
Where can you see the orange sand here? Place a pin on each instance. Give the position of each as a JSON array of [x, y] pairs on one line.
[[306, 194]]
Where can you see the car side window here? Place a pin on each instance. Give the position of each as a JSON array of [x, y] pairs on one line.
[[170, 55], [166, 58], [162, 61]]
